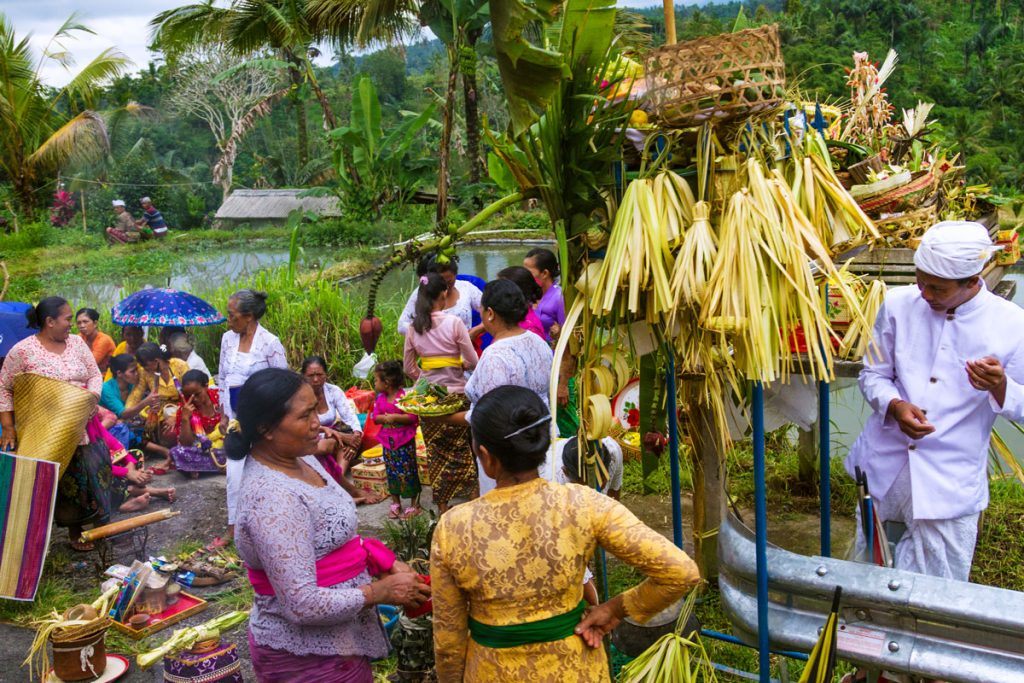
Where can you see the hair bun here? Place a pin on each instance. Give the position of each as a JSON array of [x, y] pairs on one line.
[[260, 294], [32, 320]]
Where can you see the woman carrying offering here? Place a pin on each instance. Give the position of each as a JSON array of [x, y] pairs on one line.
[[199, 427], [100, 344], [438, 349], [508, 567], [314, 616], [245, 348], [514, 357], [397, 438]]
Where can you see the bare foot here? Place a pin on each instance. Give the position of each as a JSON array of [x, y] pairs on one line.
[[167, 493], [135, 504]]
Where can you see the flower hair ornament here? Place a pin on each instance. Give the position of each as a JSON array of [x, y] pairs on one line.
[[163, 348], [423, 280]]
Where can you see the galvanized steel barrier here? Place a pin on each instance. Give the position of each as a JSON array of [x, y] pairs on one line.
[[890, 619]]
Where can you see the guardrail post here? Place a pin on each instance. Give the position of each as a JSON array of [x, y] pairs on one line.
[[761, 535]]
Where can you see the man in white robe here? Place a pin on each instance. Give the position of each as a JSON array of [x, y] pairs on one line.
[[949, 359]]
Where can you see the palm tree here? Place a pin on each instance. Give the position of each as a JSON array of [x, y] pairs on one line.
[[246, 27], [42, 130]]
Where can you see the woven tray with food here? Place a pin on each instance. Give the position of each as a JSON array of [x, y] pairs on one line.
[[430, 400]]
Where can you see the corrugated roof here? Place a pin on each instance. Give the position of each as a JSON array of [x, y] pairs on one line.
[[274, 204]]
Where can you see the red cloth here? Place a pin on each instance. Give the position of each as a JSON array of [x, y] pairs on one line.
[[362, 398], [370, 431], [347, 562]]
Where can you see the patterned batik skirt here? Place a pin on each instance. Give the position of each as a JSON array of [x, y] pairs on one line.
[[88, 491], [403, 475], [197, 458], [450, 460]]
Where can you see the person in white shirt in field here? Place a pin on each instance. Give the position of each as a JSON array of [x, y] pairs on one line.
[[949, 360]]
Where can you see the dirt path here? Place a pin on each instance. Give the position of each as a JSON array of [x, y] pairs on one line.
[[202, 504]]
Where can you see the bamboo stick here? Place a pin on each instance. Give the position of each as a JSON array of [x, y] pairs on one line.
[[123, 525], [670, 21]]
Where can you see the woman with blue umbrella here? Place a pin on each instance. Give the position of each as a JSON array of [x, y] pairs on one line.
[[245, 349]]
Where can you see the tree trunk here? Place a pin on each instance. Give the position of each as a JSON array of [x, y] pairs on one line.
[[295, 74], [447, 123], [472, 109]]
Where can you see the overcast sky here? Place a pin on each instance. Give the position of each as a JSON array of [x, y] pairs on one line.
[[118, 23]]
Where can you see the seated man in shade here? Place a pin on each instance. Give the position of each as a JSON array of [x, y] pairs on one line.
[[152, 219]]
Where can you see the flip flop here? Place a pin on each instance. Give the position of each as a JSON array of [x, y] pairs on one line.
[[395, 511], [157, 471], [82, 547], [411, 512]]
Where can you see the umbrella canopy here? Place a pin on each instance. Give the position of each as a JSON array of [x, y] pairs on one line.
[[13, 325], [162, 307]]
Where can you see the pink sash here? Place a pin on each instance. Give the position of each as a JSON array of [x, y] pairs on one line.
[[347, 562]]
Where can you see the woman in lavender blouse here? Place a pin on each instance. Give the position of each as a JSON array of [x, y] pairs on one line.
[[314, 617]]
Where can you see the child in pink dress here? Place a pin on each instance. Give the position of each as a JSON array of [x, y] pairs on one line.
[[397, 438]]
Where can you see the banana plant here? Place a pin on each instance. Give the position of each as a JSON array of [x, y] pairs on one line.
[[384, 173]]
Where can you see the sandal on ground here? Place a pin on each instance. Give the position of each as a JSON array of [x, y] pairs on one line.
[[82, 547], [158, 471], [411, 512], [395, 511]]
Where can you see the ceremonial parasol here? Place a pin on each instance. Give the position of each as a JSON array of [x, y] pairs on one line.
[[163, 307]]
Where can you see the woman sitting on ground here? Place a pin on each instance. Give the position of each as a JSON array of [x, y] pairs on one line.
[[160, 373], [314, 616], [114, 396], [341, 434], [200, 426], [508, 567]]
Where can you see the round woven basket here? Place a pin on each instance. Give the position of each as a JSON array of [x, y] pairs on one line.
[[718, 78], [80, 654]]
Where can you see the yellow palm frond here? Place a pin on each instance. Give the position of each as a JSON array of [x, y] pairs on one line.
[[82, 138]]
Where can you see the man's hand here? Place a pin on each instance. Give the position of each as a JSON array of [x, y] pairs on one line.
[[987, 374], [911, 419]]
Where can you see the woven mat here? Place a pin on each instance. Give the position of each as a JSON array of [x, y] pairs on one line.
[[50, 416], [28, 491]]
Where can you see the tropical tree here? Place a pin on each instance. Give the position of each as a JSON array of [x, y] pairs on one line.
[[42, 129], [230, 95]]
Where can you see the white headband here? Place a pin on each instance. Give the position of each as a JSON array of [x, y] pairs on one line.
[[954, 250]]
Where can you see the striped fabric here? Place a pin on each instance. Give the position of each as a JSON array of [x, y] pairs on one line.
[[28, 490]]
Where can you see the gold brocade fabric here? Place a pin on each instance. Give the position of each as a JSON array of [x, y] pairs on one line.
[[517, 555]]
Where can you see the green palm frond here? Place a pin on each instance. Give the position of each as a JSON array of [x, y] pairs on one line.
[[187, 27], [106, 66]]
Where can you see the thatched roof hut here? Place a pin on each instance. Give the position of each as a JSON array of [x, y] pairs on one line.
[[270, 207]]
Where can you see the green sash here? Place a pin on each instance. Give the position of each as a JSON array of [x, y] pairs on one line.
[[544, 631]]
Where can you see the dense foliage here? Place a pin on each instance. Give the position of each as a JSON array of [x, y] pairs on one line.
[[968, 58]]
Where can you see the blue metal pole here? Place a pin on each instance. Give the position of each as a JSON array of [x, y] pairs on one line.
[[761, 535], [825, 469], [673, 451]]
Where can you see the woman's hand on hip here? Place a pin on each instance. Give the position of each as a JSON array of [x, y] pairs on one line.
[[597, 622]]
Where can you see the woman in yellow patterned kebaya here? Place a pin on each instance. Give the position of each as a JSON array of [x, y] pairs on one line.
[[507, 568]]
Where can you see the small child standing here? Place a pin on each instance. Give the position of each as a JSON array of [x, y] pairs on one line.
[[397, 437]]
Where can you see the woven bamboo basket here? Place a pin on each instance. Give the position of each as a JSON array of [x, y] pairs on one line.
[[908, 196], [718, 78], [908, 227], [629, 451], [79, 653]]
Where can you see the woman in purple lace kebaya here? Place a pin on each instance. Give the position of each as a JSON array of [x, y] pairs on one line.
[[314, 616]]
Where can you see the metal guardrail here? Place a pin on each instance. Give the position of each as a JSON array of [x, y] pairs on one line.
[[890, 619]]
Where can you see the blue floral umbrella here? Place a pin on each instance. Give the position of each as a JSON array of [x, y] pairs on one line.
[[162, 307]]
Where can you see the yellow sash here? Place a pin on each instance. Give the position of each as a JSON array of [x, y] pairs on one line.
[[438, 362]]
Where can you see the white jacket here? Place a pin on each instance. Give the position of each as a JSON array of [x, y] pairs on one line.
[[922, 359]]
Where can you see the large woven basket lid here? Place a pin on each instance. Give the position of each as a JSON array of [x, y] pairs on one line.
[[50, 417]]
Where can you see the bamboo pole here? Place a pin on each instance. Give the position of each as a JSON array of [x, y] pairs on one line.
[[123, 525], [670, 21]]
